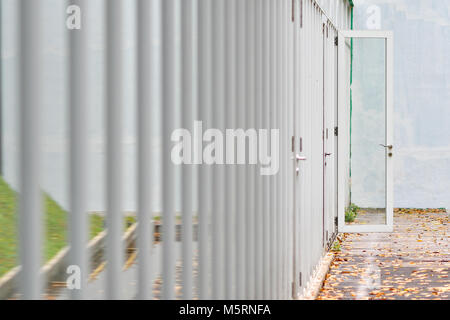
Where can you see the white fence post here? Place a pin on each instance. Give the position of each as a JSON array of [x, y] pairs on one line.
[[188, 119], [144, 164], [78, 117], [114, 154], [168, 123], [30, 198]]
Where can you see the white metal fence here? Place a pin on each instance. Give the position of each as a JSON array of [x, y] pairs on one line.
[[263, 64]]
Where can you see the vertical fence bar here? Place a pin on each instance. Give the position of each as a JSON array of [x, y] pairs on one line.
[[275, 116], [218, 107], [285, 139], [144, 165], [302, 119], [285, 20], [168, 119], [30, 208], [294, 148], [266, 125], [292, 124], [230, 205], [258, 125], [114, 109], [187, 116], [308, 140], [250, 106], [290, 161], [220, 116], [305, 123], [279, 127], [214, 254], [319, 143], [204, 95], [241, 169], [78, 223], [312, 135], [291, 185], [270, 125]]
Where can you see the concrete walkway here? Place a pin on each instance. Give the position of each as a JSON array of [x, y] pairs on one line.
[[410, 264]]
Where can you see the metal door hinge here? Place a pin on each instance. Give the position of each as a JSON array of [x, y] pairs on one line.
[[336, 41], [336, 131], [300, 280]]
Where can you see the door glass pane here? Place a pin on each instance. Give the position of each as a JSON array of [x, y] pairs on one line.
[[367, 115]]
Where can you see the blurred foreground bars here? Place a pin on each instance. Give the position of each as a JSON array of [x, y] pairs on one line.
[[232, 64]]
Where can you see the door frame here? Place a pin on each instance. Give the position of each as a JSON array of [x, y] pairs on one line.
[[342, 101]]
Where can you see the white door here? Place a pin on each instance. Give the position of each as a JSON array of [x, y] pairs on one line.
[[365, 129]]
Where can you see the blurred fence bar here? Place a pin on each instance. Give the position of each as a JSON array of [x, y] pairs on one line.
[[114, 153], [30, 204], [204, 183], [78, 118], [218, 117], [187, 87], [144, 165], [250, 176], [241, 91], [168, 124], [230, 179]]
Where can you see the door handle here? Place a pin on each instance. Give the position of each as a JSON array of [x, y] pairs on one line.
[[390, 147], [328, 154], [299, 158]]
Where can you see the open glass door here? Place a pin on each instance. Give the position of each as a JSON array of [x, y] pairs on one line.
[[365, 117]]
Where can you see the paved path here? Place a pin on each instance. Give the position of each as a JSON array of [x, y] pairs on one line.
[[411, 263]]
